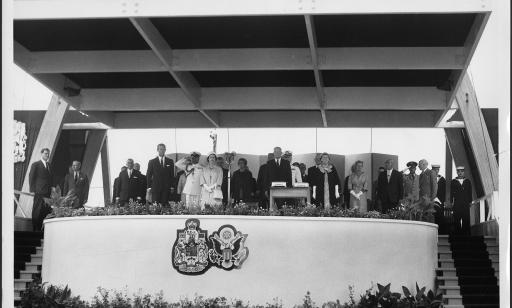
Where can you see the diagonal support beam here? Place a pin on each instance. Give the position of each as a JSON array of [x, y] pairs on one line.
[[469, 49], [310, 27], [163, 51]]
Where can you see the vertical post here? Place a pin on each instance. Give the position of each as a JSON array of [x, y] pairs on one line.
[[482, 210], [93, 146], [449, 170], [105, 171], [47, 138]]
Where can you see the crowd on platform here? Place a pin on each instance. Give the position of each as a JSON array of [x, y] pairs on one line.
[[207, 184]]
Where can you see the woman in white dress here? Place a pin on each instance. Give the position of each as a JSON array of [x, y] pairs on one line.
[[211, 182], [193, 171], [358, 186]]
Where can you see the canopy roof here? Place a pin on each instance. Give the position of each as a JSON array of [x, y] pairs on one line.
[[157, 64]]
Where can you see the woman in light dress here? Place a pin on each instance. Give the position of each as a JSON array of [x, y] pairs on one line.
[[357, 184], [211, 182]]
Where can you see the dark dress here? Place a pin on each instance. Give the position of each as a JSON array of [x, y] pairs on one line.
[[318, 181], [242, 186]]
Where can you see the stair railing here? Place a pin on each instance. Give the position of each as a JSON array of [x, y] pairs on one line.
[[17, 192], [478, 207]]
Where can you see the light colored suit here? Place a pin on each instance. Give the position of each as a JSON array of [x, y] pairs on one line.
[[411, 186], [192, 188], [428, 184]]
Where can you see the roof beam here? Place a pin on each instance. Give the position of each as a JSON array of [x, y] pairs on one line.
[[353, 58], [163, 51], [469, 49], [55, 82], [266, 98], [310, 28], [281, 118], [62, 9]]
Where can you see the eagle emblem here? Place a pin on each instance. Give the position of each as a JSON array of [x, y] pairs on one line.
[[228, 249], [190, 250]]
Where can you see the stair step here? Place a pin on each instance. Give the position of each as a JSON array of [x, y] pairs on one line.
[[450, 290], [482, 298], [453, 306], [36, 258], [29, 274], [22, 283], [33, 266], [448, 281], [447, 271], [452, 299]]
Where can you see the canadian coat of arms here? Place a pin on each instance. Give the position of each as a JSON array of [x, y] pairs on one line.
[[193, 252], [228, 249], [190, 250]]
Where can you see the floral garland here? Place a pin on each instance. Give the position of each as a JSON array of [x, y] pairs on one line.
[[243, 209]]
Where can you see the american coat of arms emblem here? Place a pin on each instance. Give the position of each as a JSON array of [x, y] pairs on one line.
[[190, 250], [228, 249], [193, 252]]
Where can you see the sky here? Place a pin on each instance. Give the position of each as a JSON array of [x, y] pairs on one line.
[[489, 70]]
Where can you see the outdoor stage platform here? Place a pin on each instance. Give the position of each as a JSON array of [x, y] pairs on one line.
[[286, 257]]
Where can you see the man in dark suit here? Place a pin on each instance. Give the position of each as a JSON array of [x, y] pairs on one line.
[[375, 205], [261, 184], [130, 185], [346, 193], [461, 195], [144, 183], [224, 187], [428, 181], [160, 176], [278, 170], [313, 174], [441, 194], [389, 187], [115, 187], [77, 183], [41, 183]]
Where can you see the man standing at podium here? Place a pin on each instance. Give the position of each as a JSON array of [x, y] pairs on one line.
[[40, 182], [278, 170], [160, 176]]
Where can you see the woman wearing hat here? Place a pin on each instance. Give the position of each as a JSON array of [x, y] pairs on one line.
[[211, 182], [358, 186]]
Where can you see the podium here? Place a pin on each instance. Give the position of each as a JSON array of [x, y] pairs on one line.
[[288, 192]]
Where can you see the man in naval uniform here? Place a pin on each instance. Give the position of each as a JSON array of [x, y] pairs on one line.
[[461, 195]]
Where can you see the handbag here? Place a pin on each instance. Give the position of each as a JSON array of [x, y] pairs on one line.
[[217, 194]]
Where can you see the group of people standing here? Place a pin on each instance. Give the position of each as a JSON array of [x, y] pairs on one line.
[[200, 184]]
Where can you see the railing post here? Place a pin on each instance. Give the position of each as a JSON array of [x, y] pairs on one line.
[[482, 210]]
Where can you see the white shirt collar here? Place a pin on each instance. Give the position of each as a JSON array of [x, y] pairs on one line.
[[44, 162], [389, 171]]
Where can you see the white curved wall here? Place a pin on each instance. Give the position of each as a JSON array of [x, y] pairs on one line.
[[287, 256]]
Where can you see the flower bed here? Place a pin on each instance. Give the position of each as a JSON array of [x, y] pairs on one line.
[[408, 211], [41, 295]]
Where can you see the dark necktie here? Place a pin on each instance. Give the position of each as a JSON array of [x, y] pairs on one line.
[[76, 177], [162, 162], [277, 162]]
